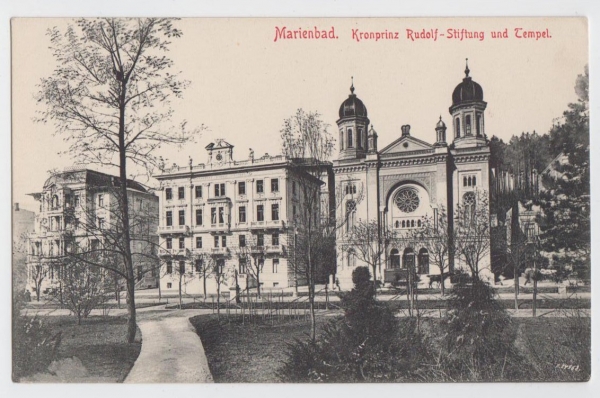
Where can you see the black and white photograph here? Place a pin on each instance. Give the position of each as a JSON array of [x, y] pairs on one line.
[[300, 200]]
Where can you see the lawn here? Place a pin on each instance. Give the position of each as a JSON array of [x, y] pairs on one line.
[[248, 353], [100, 343]]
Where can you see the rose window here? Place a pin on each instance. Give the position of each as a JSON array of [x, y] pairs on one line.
[[407, 200], [469, 199]]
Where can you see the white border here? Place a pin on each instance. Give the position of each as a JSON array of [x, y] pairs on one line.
[[322, 8]]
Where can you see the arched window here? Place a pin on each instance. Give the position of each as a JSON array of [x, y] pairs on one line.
[[359, 137], [397, 224], [394, 259], [457, 128], [468, 125], [350, 214], [54, 201], [479, 126], [423, 267], [354, 189], [350, 141], [351, 258], [403, 223], [408, 258], [464, 181], [474, 181], [419, 223], [412, 223], [341, 140], [469, 206]]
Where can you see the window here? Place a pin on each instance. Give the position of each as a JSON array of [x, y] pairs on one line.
[[350, 214], [350, 141], [169, 284], [198, 265], [341, 139], [77, 201], [260, 213], [294, 211], [220, 266], [294, 187], [242, 266], [169, 243], [274, 185], [182, 267], [468, 125], [275, 265], [260, 240], [213, 215], [242, 188], [182, 243], [457, 128], [407, 200], [275, 212], [259, 186], [219, 190], [198, 216], [198, 242], [242, 240], [469, 206], [223, 241], [359, 135], [169, 267], [100, 201], [181, 192], [216, 241], [100, 223], [469, 181], [242, 214], [168, 193], [275, 239], [198, 190], [478, 125], [181, 217], [169, 218], [350, 189], [221, 215]]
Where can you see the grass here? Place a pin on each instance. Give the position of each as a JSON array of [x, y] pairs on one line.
[[249, 353], [236, 353], [99, 342]]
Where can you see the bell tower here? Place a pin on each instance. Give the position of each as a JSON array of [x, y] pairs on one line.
[[353, 125], [467, 112]]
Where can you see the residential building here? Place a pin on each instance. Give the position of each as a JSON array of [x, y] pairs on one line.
[[225, 213], [409, 179], [78, 211]]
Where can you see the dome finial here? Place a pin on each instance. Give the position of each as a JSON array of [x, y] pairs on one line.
[[352, 86], [467, 68]]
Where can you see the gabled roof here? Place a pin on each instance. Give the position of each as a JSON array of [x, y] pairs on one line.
[[413, 144], [219, 144]]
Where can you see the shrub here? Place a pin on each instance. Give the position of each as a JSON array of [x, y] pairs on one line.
[[367, 345], [34, 346], [478, 345]]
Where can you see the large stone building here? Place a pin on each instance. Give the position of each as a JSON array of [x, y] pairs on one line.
[[78, 210], [408, 179], [222, 214]]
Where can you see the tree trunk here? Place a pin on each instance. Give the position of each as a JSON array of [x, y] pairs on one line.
[[204, 284], [374, 279], [311, 295], [258, 284], [218, 300], [442, 283], [180, 298], [124, 203], [534, 288]]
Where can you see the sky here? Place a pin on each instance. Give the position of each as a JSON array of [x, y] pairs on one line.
[[244, 83]]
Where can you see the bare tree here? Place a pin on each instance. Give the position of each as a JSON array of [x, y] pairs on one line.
[[434, 236], [84, 288], [203, 266], [222, 273], [307, 142], [472, 230], [109, 98], [365, 238], [253, 256]]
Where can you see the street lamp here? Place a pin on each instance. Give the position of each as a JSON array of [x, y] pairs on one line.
[[295, 262]]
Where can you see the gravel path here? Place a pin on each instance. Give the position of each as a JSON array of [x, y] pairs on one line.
[[171, 350]]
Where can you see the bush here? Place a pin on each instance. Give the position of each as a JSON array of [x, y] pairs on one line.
[[34, 346], [367, 345], [478, 345]]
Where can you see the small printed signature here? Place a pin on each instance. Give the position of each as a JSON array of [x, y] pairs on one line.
[[572, 368]]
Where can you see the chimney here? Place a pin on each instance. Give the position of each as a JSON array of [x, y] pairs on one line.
[[16, 207], [405, 130]]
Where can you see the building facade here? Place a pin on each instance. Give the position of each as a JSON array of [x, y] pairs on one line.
[[229, 217], [78, 210], [23, 224], [398, 185]]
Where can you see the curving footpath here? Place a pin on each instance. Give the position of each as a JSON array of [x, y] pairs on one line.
[[171, 351]]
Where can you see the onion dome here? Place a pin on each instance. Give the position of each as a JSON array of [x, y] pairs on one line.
[[440, 124], [352, 106], [467, 91]]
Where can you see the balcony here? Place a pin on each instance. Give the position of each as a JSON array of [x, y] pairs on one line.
[[220, 251], [174, 252], [275, 248], [174, 229], [278, 224], [223, 227]]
